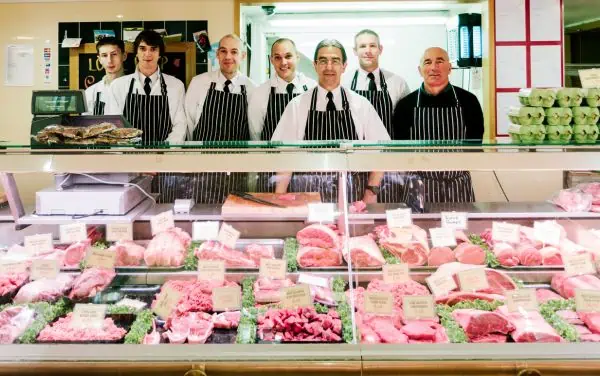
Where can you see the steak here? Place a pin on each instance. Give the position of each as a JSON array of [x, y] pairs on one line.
[[440, 255], [311, 256], [529, 326], [545, 295], [364, 252], [591, 320], [529, 255], [45, 290], [498, 281], [299, 325], [267, 290], [76, 252], [213, 250], [570, 316], [566, 286], [128, 253], [91, 282], [317, 235], [167, 248], [480, 324], [467, 253], [63, 331], [414, 252], [506, 254], [13, 322], [551, 256]]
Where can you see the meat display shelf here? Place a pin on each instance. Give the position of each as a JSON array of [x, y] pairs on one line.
[[205, 212]]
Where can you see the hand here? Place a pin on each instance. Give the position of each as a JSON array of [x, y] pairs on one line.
[[369, 197]]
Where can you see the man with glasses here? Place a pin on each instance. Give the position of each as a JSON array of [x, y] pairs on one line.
[[330, 112]]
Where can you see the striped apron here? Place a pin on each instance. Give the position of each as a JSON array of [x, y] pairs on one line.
[[98, 105], [433, 124], [277, 103], [392, 184]]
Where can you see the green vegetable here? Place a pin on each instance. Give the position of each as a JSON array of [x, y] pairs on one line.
[[519, 283], [246, 332], [46, 313], [191, 261], [114, 309], [82, 264], [290, 250], [454, 331], [562, 327], [345, 313], [338, 285], [320, 308], [248, 292], [100, 244], [389, 258], [140, 327], [490, 257]]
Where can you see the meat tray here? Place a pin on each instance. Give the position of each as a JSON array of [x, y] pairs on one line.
[[243, 243], [120, 320]]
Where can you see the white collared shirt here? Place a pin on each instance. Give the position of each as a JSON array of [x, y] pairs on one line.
[[397, 86], [153, 78], [91, 94], [292, 125], [198, 89], [257, 109], [117, 95]]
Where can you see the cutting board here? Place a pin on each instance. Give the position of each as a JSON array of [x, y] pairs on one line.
[[295, 204]]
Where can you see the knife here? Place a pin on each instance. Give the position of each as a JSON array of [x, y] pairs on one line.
[[249, 197]]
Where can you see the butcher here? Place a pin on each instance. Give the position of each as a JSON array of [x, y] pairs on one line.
[[271, 98], [330, 112], [436, 111]]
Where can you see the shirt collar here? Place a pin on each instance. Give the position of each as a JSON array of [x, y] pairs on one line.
[[322, 93], [282, 84], [153, 77], [446, 89], [362, 74], [221, 79]]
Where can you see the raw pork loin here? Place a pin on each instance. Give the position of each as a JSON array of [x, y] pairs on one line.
[[63, 331], [75, 253], [13, 322], [364, 252], [310, 256], [214, 250], [267, 290], [128, 253], [566, 286], [317, 235], [478, 324], [91, 282], [440, 255], [167, 248], [45, 290], [467, 253], [414, 252], [506, 254], [551, 256], [529, 255], [529, 326]]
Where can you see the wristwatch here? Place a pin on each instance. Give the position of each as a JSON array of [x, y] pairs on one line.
[[374, 188]]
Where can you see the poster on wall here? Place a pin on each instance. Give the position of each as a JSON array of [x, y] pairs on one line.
[[19, 65], [47, 58]]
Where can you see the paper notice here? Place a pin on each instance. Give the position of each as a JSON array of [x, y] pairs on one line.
[[442, 237], [19, 65], [398, 218], [75, 232], [473, 279], [395, 273], [579, 264], [441, 284], [506, 232], [272, 268], [12, 267], [454, 220], [211, 270], [88, 316], [205, 230], [590, 78], [418, 307], [162, 222], [167, 300], [296, 296], [226, 298], [228, 236], [101, 258], [44, 269], [308, 279], [547, 232], [381, 303], [587, 300], [37, 244], [119, 231], [321, 213], [522, 299]]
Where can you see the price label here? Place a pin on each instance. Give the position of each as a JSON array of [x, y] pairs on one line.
[[226, 298], [205, 230], [522, 299], [442, 237], [321, 213], [228, 236], [211, 270], [166, 301], [441, 284], [116, 232], [587, 300], [44, 269], [418, 307], [380, 302], [313, 280], [579, 264], [454, 220], [12, 267], [296, 296], [547, 232], [162, 222], [399, 218], [101, 258], [75, 232], [590, 78], [271, 268], [473, 279], [37, 244], [395, 273], [89, 316], [506, 232]]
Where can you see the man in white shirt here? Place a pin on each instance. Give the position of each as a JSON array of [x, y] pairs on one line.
[[330, 112], [111, 54]]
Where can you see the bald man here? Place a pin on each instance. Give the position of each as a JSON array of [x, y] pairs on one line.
[[439, 111]]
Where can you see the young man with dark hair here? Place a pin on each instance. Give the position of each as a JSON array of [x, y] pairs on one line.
[[111, 54]]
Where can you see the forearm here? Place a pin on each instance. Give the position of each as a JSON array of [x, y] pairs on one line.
[[283, 181], [375, 178]]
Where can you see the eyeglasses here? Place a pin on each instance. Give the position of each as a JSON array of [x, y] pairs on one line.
[[323, 62]]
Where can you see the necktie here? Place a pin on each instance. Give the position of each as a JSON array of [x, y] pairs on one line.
[[330, 104], [372, 86], [147, 87], [226, 87], [290, 89]]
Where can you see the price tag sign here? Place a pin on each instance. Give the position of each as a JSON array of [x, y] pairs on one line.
[[579, 264], [398, 218], [37, 244], [162, 222], [44, 269], [273, 269], [441, 284], [167, 300], [228, 236], [380, 302], [418, 307], [521, 299], [88, 316], [442, 237], [321, 213], [547, 232], [313, 280], [211, 270], [506, 232], [205, 230], [473, 279], [226, 298], [454, 220], [116, 232], [590, 78], [101, 258], [395, 273], [75, 232], [12, 267], [296, 296], [587, 300]]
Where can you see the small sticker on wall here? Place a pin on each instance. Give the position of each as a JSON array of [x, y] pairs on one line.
[[47, 66]]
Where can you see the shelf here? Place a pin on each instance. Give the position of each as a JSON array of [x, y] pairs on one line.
[[202, 212]]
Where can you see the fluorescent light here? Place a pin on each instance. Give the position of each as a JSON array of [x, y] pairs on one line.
[[372, 6], [384, 21], [24, 38]]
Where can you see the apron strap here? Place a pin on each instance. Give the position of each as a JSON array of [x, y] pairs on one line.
[[313, 100], [382, 81], [345, 103], [163, 85], [354, 79], [130, 91]]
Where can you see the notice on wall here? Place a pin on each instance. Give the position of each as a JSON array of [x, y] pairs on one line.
[[18, 65]]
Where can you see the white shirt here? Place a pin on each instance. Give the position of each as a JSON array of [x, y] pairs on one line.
[[292, 125], [117, 95], [397, 86], [92, 92], [198, 89], [257, 109]]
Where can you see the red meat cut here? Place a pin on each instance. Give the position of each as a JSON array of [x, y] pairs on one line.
[[129, 253], [226, 320], [545, 295], [44, 289], [379, 329], [461, 296], [259, 251], [551, 256], [75, 253], [300, 325], [167, 248], [467, 253], [490, 338], [13, 322], [311, 256], [63, 331], [214, 250], [529, 255], [414, 252], [267, 290], [498, 281], [91, 282], [364, 252], [506, 254], [440, 255], [317, 235], [193, 327], [425, 332], [566, 286], [479, 324], [529, 326], [591, 320], [10, 282]]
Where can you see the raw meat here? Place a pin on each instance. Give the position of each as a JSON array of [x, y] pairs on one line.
[[317, 235], [226, 320], [529, 255], [195, 327], [467, 253], [152, 338], [592, 188], [167, 248], [425, 332], [364, 252], [13, 322], [296, 203], [461, 237], [414, 252], [45, 290], [63, 331], [498, 281], [461, 296], [311, 256], [573, 200], [9, 283], [76, 252], [440, 255], [551, 256], [128, 253], [529, 326], [589, 337], [570, 316], [91, 282], [267, 290], [323, 295], [591, 320], [358, 207], [399, 290], [299, 325], [506, 254], [545, 295], [490, 338], [213, 250], [259, 251], [479, 324], [566, 286], [379, 329]]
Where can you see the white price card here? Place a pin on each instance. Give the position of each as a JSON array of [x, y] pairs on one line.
[[272, 268], [395, 273], [75, 232], [442, 237], [398, 218], [36, 244], [228, 236], [441, 284], [547, 232], [296, 296], [521, 299], [166, 301], [418, 307], [12, 267], [208, 230], [116, 232], [506, 232], [587, 300], [473, 279], [211, 270], [579, 264], [162, 222], [379, 302], [455, 220], [321, 213], [101, 258], [313, 280], [88, 316], [41, 268], [227, 298], [590, 78]]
